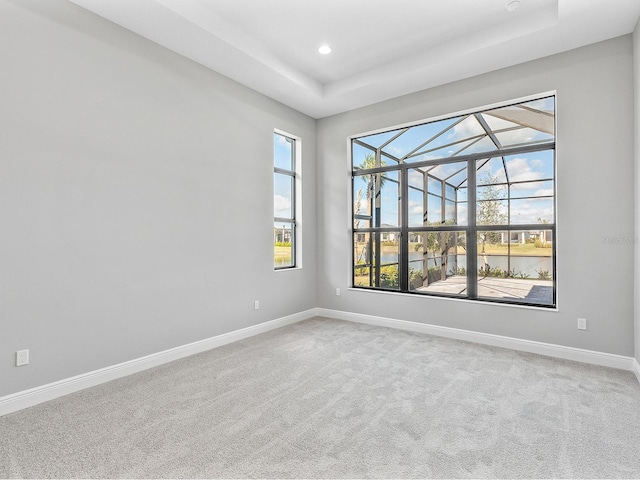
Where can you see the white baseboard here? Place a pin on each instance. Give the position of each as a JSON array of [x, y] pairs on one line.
[[34, 396], [27, 398], [547, 349]]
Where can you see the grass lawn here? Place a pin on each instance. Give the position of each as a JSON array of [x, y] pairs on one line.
[[523, 249], [282, 256]]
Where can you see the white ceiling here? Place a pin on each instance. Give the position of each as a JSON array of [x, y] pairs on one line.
[[381, 48]]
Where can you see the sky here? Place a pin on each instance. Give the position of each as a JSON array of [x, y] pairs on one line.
[[536, 170], [282, 184], [462, 135], [442, 139]]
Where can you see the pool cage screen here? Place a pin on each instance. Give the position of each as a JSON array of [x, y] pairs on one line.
[[461, 207]]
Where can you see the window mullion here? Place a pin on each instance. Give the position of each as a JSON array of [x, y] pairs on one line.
[[472, 236], [400, 164], [377, 203], [403, 261]]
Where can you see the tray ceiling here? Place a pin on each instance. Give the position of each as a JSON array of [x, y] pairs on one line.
[[380, 48]]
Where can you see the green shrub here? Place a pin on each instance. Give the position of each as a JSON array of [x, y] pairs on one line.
[[434, 274], [415, 278], [539, 244], [543, 274], [389, 276], [498, 272]]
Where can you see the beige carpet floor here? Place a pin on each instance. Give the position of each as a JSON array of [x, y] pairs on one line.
[[331, 399]]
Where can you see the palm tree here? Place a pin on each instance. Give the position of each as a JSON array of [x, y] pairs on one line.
[[370, 181], [372, 191]]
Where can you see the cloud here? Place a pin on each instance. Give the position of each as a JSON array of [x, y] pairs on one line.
[[537, 164], [462, 213], [515, 137], [416, 179], [530, 212], [282, 140], [521, 169], [415, 208], [360, 207], [466, 129], [543, 192], [281, 206]]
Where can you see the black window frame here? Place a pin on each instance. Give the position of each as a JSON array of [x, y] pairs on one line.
[[382, 163]]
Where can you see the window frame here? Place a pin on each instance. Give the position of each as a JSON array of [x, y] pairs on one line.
[[471, 228], [295, 208]]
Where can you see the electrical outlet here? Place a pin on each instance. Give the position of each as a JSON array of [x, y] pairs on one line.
[[337, 292], [22, 358], [256, 305], [582, 324]]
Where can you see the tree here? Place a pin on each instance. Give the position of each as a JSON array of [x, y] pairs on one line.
[[489, 211], [370, 181], [373, 184]]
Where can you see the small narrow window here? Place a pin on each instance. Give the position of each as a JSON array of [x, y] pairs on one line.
[[284, 201]]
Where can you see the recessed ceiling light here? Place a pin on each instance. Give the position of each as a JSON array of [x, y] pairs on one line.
[[324, 50], [512, 6]]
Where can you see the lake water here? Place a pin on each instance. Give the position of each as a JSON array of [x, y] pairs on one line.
[[526, 265]]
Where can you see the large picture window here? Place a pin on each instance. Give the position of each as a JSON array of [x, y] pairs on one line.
[[461, 207]]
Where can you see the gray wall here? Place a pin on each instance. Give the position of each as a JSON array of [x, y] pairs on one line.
[[636, 81], [135, 198], [595, 175]]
